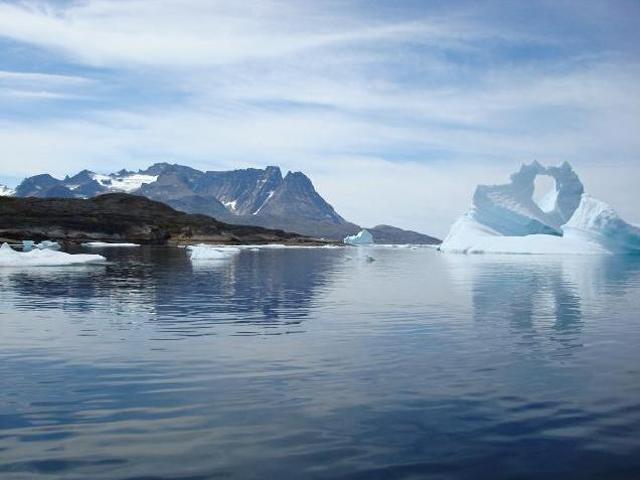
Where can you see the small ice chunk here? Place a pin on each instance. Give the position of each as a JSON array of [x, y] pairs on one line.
[[48, 245], [43, 258], [27, 245], [107, 244], [211, 252], [363, 237]]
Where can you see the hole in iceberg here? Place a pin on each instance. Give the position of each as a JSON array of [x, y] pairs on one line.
[[545, 192]]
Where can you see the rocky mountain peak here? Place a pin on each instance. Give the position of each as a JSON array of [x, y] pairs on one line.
[[298, 178], [250, 196], [297, 197]]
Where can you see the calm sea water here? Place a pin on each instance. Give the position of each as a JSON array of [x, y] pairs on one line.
[[320, 364]]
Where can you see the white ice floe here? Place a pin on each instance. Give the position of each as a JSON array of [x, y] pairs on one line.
[[279, 246], [107, 245], [221, 252], [363, 237], [43, 258], [48, 245], [271, 246], [211, 252], [505, 219], [28, 245]]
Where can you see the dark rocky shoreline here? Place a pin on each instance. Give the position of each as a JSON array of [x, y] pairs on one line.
[[119, 217]]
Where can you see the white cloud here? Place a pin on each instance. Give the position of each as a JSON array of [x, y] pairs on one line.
[[329, 88], [39, 78], [41, 86], [200, 33], [36, 94]]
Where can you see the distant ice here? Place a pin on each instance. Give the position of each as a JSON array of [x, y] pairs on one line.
[[505, 219], [221, 252], [270, 246], [276, 246], [107, 244], [211, 252], [43, 258], [28, 245], [48, 245], [363, 237]]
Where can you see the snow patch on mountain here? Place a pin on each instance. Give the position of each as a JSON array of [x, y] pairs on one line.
[[231, 205], [6, 191], [269, 195], [127, 183]]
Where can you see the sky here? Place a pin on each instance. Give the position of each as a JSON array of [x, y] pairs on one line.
[[395, 109]]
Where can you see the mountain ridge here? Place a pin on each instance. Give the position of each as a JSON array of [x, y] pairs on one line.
[[251, 196]]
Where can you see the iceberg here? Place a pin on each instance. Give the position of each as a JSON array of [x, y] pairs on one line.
[[43, 258], [209, 252], [506, 219], [595, 221], [28, 245], [363, 237], [48, 245]]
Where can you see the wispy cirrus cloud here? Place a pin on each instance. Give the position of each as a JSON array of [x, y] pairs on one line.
[[425, 91], [41, 86]]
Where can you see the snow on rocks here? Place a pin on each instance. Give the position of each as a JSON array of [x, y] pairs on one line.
[[6, 191], [44, 258]]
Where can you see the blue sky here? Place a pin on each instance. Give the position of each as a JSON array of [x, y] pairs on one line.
[[395, 109]]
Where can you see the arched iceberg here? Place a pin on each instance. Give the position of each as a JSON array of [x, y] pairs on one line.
[[506, 219]]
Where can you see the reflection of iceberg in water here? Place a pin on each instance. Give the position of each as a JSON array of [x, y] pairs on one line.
[[258, 286], [270, 288], [544, 294], [530, 296]]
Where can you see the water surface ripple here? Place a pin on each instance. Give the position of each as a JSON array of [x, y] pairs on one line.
[[320, 364]]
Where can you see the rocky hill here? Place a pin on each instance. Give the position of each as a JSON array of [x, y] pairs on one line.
[[119, 217]]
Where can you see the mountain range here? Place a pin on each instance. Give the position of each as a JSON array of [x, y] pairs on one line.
[[258, 197]]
